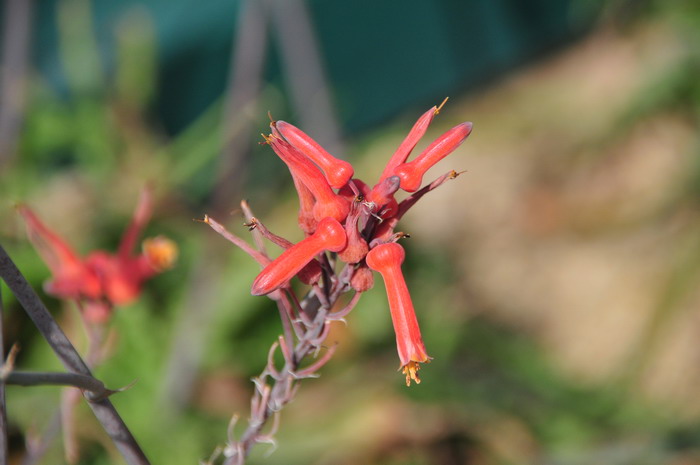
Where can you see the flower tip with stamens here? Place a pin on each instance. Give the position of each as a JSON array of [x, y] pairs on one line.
[[411, 372], [387, 259], [161, 252]]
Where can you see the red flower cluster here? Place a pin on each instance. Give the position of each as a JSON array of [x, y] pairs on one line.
[[101, 281], [343, 215]]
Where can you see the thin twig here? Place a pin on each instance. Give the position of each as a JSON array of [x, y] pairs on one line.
[[259, 257], [95, 389], [62, 347], [257, 236]]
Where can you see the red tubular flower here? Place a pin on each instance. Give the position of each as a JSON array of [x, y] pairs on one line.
[[329, 235], [328, 203], [411, 173], [338, 172], [404, 150], [387, 260]]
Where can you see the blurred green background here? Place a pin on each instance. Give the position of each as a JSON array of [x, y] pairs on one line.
[[556, 281]]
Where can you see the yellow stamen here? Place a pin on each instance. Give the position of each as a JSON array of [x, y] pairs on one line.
[[161, 252], [437, 110], [411, 372]]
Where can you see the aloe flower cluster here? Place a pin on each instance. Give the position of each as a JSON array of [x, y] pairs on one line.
[[348, 222], [101, 281]]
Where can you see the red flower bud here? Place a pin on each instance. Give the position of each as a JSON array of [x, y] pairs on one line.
[[387, 260], [362, 279], [311, 273], [382, 195], [411, 173], [329, 235], [338, 172], [328, 203]]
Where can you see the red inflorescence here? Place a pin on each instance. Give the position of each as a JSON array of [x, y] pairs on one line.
[[358, 222], [101, 280]]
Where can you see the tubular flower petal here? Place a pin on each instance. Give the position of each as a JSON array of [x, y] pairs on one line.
[[307, 221], [329, 235], [387, 260], [328, 203], [338, 172], [411, 173], [305, 218]]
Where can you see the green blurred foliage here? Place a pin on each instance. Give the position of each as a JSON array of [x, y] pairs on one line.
[[489, 397]]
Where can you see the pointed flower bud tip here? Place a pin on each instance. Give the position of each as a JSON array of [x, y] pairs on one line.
[[412, 173]]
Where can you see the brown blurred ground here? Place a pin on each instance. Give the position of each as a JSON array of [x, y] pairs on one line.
[[574, 221]]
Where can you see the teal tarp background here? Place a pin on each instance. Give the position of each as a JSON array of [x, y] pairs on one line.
[[380, 56]]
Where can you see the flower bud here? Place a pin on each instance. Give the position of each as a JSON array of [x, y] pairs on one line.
[[362, 279], [382, 195]]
